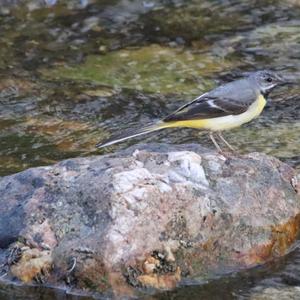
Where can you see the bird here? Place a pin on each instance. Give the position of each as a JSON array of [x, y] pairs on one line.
[[228, 106]]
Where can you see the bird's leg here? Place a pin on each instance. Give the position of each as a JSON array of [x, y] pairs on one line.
[[214, 141], [225, 142]]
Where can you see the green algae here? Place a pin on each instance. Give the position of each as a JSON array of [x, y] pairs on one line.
[[151, 68]]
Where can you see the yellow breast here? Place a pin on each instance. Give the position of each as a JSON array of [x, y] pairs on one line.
[[226, 122]]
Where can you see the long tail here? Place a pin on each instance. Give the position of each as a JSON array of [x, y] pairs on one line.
[[133, 133]]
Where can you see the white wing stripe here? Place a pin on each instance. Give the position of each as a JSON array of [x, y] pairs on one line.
[[212, 104], [199, 97]]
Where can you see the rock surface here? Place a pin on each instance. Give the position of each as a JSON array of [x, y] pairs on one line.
[[272, 293], [150, 216]]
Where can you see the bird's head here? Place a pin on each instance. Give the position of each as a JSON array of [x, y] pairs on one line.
[[266, 80]]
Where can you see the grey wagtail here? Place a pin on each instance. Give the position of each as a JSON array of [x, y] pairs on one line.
[[225, 107]]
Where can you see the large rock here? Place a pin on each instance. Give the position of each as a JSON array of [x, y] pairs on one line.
[[150, 216]]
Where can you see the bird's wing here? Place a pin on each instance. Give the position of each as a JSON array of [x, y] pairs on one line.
[[209, 106]]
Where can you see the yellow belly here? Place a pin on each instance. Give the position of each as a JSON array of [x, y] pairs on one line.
[[226, 122]]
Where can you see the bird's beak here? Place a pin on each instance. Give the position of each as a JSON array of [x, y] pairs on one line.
[[284, 80]]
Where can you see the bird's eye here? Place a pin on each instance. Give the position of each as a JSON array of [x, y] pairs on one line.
[[269, 79]]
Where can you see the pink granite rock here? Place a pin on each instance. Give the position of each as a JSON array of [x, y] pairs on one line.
[[150, 216]]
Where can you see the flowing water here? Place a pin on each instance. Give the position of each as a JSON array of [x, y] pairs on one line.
[[74, 72]]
